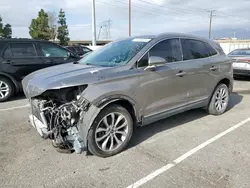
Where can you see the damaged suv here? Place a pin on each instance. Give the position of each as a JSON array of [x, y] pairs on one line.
[[95, 103]]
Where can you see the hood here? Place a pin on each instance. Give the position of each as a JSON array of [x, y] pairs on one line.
[[61, 76]]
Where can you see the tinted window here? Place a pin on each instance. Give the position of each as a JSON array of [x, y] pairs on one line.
[[143, 61], [211, 50], [52, 50], [20, 50], [193, 49], [170, 50], [71, 49], [86, 50]]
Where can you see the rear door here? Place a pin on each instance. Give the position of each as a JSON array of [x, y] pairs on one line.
[[54, 54], [196, 58], [21, 59]]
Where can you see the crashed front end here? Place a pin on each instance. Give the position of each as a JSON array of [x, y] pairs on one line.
[[59, 115]]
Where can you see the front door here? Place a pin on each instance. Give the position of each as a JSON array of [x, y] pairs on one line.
[[164, 88], [21, 59]]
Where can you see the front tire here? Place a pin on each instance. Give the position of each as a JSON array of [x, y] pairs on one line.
[[110, 132], [219, 101]]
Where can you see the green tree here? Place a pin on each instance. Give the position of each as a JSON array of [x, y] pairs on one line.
[[39, 27], [62, 31], [6, 31]]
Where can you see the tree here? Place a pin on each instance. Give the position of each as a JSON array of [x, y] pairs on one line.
[[52, 21], [62, 31], [39, 27], [6, 31]]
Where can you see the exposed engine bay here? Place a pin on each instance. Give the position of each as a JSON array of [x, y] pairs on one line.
[[56, 115]]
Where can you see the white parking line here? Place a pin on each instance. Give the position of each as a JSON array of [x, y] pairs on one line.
[[186, 155], [13, 108]]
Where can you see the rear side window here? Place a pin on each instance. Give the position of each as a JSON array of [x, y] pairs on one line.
[[71, 49], [20, 50], [211, 50], [194, 49], [52, 50], [169, 49]]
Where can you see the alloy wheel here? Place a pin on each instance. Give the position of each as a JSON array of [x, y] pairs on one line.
[[221, 99], [4, 89], [111, 132]]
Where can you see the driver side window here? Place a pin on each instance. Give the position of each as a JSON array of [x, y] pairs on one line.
[[169, 49]]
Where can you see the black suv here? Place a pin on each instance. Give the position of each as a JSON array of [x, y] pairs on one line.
[[19, 57]]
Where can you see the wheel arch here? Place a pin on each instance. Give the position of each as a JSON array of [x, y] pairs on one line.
[[124, 101], [227, 82]]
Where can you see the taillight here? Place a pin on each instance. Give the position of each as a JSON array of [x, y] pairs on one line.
[[244, 60]]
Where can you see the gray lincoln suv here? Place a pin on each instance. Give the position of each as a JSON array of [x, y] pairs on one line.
[[95, 103]]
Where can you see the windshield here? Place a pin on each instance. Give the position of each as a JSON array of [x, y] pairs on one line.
[[240, 52], [115, 53]]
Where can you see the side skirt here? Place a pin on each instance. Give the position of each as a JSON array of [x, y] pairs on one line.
[[156, 117]]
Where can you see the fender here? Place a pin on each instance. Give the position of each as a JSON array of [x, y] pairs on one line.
[[17, 85]]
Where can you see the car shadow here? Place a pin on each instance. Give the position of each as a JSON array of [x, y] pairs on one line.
[[142, 134], [18, 96]]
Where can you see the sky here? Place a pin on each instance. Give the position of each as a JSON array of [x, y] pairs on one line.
[[148, 16]]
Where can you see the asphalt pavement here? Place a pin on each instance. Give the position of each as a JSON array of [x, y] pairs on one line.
[[192, 149]]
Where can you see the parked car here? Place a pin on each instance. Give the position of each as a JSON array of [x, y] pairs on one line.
[[241, 61], [95, 104], [79, 50], [20, 57]]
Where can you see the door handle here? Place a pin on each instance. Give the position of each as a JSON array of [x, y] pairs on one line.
[[181, 73], [7, 62], [213, 68]]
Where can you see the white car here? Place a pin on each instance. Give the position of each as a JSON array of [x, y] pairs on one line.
[[241, 61]]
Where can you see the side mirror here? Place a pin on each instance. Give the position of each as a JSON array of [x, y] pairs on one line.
[[155, 61]]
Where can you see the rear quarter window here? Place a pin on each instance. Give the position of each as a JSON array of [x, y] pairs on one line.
[[211, 50], [218, 48]]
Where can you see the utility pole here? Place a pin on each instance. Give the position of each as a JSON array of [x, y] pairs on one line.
[[93, 24], [210, 23], [129, 17]]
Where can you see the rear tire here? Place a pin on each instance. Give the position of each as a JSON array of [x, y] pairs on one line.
[[110, 132], [7, 89], [219, 101]]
